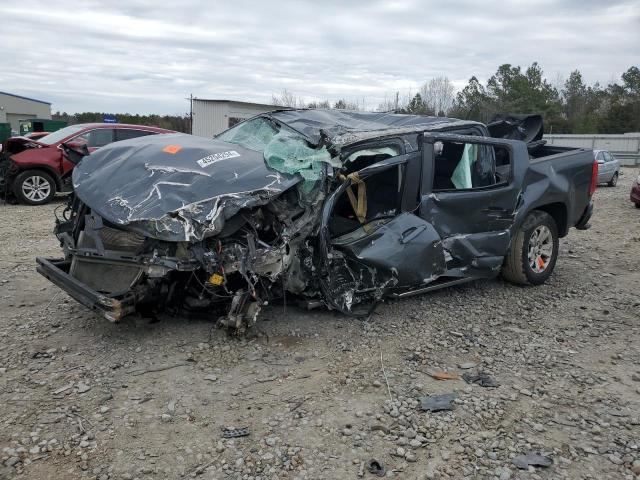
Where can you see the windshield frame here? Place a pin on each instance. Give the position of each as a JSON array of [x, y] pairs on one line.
[[56, 137]]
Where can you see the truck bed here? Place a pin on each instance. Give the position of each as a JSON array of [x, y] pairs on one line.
[[562, 176], [550, 150]]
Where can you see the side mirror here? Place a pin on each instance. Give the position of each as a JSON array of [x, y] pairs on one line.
[[75, 151], [75, 145]]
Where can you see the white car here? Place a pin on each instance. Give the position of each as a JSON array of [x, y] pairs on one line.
[[608, 167]]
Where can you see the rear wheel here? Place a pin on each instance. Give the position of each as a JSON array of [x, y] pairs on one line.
[[637, 205], [534, 250], [34, 187], [614, 180]]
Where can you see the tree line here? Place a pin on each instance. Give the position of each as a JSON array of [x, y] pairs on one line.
[[179, 123], [567, 106], [571, 107]]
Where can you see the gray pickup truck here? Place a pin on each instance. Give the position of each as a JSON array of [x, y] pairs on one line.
[[323, 208]]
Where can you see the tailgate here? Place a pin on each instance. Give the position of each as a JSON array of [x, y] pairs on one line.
[[112, 307]]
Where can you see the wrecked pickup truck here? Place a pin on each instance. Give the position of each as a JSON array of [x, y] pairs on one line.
[[322, 208]]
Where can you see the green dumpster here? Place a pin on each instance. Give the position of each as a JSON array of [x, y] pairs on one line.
[[5, 131], [40, 125]]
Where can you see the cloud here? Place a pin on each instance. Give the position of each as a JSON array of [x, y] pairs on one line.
[[137, 56]]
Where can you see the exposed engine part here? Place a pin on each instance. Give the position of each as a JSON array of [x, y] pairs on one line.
[[242, 314]]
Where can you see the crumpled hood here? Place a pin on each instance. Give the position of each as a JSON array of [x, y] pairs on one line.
[[175, 187], [15, 145]]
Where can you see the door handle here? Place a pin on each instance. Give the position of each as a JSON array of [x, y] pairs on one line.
[[411, 233]]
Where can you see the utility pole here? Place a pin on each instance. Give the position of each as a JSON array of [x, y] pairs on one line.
[[191, 113]]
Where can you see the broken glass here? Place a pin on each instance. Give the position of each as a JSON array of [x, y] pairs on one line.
[[253, 134], [288, 153], [284, 149]]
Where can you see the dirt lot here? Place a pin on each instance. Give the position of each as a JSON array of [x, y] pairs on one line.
[[84, 398]]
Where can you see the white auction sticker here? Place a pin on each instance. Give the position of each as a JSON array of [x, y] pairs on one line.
[[216, 157]]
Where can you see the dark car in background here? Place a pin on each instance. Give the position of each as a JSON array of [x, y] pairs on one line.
[[32, 171], [608, 167]]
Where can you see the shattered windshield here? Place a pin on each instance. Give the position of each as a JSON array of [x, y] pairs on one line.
[[253, 134], [284, 149]]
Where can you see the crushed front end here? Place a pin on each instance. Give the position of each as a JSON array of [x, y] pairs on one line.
[[154, 229], [230, 277]]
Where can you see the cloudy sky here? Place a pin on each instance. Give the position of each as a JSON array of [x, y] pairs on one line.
[[137, 56]]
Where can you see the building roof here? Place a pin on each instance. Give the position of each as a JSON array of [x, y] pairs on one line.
[[227, 100], [24, 98]]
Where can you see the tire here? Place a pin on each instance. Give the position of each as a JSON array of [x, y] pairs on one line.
[[637, 205], [34, 187], [614, 180], [517, 266]]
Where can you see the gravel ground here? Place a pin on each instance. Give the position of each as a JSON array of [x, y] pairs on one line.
[[322, 394]]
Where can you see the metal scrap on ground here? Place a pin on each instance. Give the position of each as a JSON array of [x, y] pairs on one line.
[[436, 403], [531, 459], [480, 378], [235, 432], [376, 467], [441, 375]]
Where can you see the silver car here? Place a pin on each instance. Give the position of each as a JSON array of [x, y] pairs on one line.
[[608, 167]]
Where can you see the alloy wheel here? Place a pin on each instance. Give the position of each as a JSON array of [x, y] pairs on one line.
[[540, 248], [36, 188]]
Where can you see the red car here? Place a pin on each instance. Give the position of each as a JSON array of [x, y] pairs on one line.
[[31, 136], [31, 171], [635, 192]]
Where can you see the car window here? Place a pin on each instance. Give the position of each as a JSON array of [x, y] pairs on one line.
[[376, 199], [600, 157], [608, 157], [128, 133], [61, 134], [466, 166], [95, 138]]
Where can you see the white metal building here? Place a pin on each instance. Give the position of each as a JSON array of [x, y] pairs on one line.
[[14, 108], [211, 117]]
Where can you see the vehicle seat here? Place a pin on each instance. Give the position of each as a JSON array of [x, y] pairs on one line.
[[445, 164]]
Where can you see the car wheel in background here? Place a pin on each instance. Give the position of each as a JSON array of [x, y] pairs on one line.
[[614, 180], [637, 205], [34, 187], [533, 252]]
